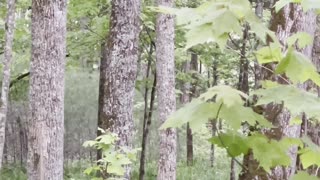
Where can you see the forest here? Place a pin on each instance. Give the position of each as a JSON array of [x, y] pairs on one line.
[[160, 89]]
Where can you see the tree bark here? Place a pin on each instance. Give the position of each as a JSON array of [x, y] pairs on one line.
[[46, 94], [291, 19], [118, 73], [9, 28], [166, 91]]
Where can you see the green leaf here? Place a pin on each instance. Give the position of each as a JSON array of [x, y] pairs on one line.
[[310, 155], [226, 94], [281, 3], [199, 35], [196, 113], [235, 144], [275, 151], [240, 114], [295, 121], [304, 39], [268, 54], [302, 175], [293, 98], [298, 68]]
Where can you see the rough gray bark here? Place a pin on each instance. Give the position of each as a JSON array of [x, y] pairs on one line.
[[46, 94], [9, 32], [118, 73], [291, 19], [166, 91]]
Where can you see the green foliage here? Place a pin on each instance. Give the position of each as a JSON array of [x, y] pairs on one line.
[[306, 4], [302, 175], [306, 70], [113, 159], [294, 99], [218, 101], [261, 146], [215, 20]]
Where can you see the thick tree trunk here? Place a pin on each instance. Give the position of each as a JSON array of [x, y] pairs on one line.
[[118, 73], [9, 28], [46, 96], [166, 91], [291, 19]]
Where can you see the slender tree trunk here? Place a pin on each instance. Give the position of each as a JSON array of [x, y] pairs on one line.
[[46, 95], [147, 111], [214, 121], [243, 80], [119, 70], [194, 94], [9, 28], [166, 91], [291, 19]]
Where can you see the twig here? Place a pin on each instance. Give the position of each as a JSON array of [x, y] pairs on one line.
[[18, 78]]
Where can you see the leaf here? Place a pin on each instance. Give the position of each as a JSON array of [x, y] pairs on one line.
[[199, 35], [235, 144], [116, 169], [281, 3], [293, 98], [275, 151], [295, 121], [226, 94], [268, 54], [196, 113], [304, 39], [309, 155], [310, 4], [298, 68], [235, 115], [302, 175]]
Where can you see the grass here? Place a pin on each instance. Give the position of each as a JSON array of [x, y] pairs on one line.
[[201, 170]]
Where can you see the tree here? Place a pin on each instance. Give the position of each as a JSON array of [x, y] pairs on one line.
[[46, 95], [118, 72], [289, 20], [10, 23], [166, 91]]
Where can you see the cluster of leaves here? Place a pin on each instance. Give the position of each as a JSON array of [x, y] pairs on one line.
[[228, 104], [114, 159]]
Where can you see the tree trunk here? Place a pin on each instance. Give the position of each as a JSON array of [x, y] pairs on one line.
[[243, 82], [291, 19], [9, 27], [147, 115], [118, 73], [214, 121], [166, 91], [46, 94], [194, 94]]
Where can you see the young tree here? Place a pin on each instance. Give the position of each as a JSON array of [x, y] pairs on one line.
[[10, 22], [289, 20], [46, 95], [118, 72], [166, 91]]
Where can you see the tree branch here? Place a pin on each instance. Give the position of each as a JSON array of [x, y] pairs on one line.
[[17, 79]]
